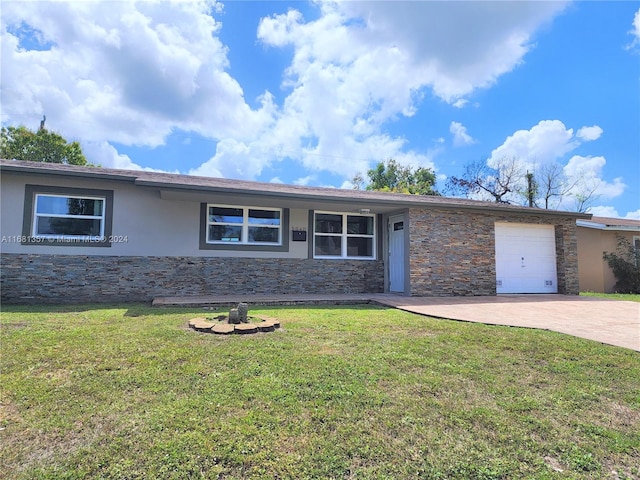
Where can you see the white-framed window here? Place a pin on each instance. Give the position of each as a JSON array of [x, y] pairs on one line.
[[68, 217], [229, 224], [344, 235]]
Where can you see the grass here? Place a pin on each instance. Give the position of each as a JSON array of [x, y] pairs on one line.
[[127, 391], [629, 297]]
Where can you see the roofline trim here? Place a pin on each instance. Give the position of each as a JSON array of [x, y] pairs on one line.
[[409, 202], [412, 201], [602, 226], [104, 173]]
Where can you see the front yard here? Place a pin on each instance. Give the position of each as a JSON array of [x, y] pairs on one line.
[[127, 391]]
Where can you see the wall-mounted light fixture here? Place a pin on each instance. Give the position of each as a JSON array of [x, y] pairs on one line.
[[365, 210]]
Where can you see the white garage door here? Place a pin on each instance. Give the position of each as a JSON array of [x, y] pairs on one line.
[[525, 258]]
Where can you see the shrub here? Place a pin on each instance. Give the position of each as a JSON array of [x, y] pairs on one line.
[[625, 263]]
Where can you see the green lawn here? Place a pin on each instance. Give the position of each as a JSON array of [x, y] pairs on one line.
[[129, 392], [629, 297]]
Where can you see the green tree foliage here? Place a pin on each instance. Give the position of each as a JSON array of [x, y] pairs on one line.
[[390, 176], [20, 143], [625, 263]]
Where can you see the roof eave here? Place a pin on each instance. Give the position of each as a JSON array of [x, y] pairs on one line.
[[412, 201], [610, 228], [266, 190], [122, 175]]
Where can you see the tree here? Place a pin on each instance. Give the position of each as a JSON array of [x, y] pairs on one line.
[[498, 181], [553, 183], [20, 143], [357, 181], [584, 194], [625, 263], [507, 181], [532, 189], [390, 176]]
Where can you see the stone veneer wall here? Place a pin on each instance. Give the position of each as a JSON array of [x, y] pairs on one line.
[[453, 253], [80, 278]]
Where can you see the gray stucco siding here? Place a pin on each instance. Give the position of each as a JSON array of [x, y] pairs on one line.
[[144, 224]]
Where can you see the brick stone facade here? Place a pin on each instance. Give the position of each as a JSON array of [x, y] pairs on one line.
[[450, 253], [28, 278], [453, 253]]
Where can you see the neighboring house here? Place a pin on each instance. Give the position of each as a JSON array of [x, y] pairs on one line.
[[596, 236], [80, 234]]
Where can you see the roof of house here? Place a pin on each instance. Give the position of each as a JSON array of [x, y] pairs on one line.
[[179, 182], [610, 223]]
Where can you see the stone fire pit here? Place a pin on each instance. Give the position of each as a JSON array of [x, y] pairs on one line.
[[238, 321]]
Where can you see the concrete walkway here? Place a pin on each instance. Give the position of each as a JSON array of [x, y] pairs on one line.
[[613, 322]]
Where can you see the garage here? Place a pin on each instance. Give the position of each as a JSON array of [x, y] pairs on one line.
[[525, 258]]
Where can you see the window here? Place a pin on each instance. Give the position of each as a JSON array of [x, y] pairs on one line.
[[244, 225], [341, 235], [68, 217], [62, 216]]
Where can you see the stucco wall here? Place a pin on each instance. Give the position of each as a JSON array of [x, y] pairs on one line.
[[453, 253], [145, 223], [595, 274], [80, 279]]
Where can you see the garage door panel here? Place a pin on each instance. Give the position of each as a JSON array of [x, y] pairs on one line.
[[525, 258]]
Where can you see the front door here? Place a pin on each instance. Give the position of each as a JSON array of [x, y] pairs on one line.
[[396, 253]]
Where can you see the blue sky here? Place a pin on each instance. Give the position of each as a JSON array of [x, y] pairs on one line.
[[314, 92]]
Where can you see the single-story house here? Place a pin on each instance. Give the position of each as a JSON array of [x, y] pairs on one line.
[[595, 237], [80, 234]]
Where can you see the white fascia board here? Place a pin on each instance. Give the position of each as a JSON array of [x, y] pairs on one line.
[[602, 226]]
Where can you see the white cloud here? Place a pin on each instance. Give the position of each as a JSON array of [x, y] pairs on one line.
[[234, 159], [460, 135], [340, 98], [127, 72], [545, 142], [548, 143], [589, 133], [105, 155], [304, 180], [604, 211], [133, 72], [587, 174], [496, 37], [612, 212], [635, 31], [633, 215], [461, 102]]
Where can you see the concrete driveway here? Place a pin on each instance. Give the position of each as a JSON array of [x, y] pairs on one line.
[[613, 322]]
